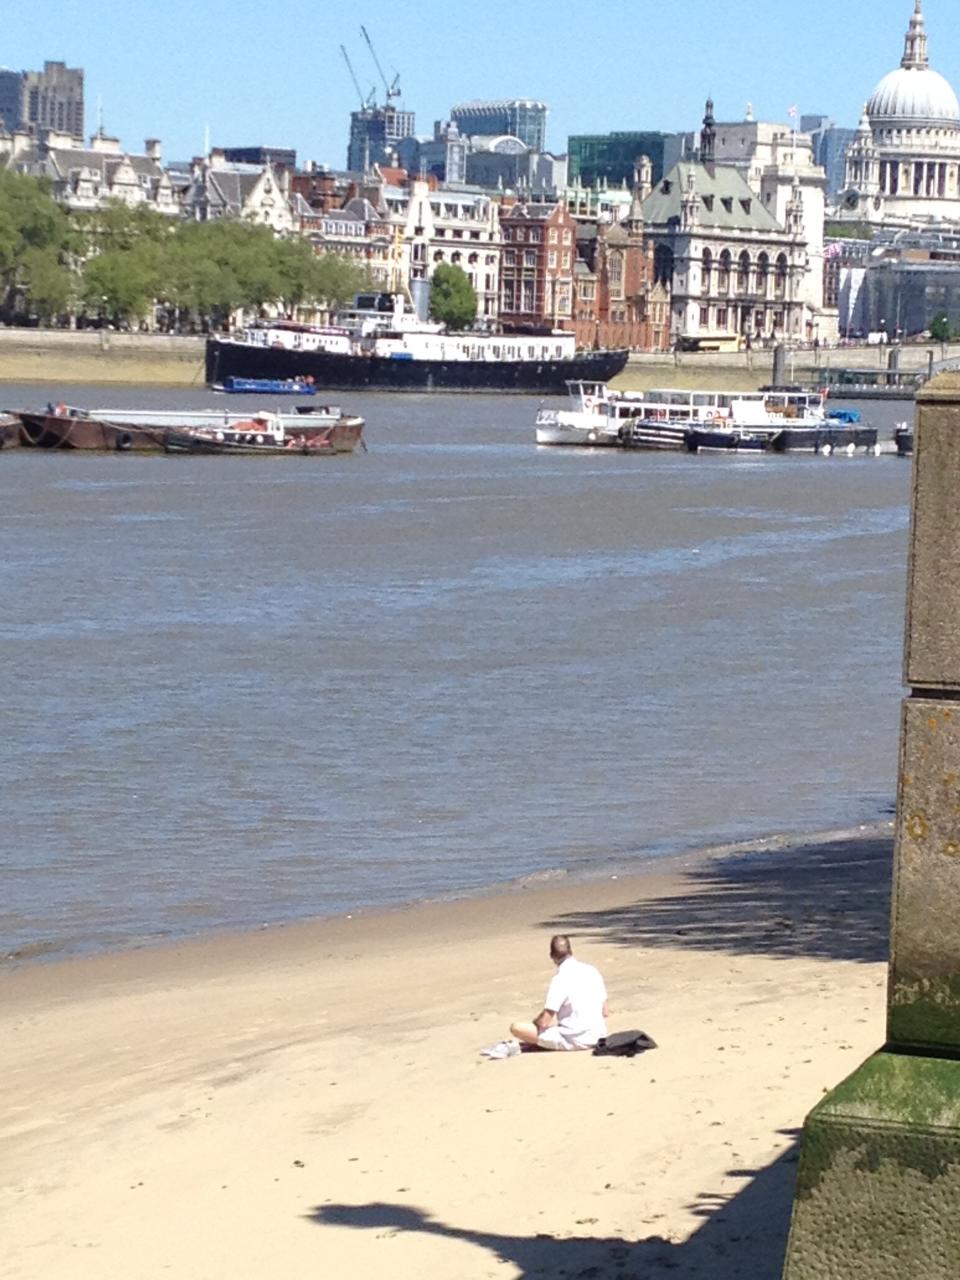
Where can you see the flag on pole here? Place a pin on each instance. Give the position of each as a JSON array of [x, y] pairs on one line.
[[793, 112]]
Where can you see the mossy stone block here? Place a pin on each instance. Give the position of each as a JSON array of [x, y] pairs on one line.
[[878, 1186]]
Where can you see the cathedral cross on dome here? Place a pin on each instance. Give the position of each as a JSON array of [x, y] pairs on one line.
[[915, 48]]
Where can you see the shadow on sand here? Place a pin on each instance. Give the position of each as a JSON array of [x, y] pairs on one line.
[[828, 899], [743, 1237]]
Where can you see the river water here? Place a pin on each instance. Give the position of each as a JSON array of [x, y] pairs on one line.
[[245, 690]]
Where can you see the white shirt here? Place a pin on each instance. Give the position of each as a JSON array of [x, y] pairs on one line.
[[577, 995]]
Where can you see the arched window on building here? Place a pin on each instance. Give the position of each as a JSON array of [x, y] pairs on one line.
[[743, 272], [763, 274], [723, 272], [780, 285], [615, 272], [706, 268], [663, 265]]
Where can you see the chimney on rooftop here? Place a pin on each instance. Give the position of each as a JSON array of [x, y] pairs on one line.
[[106, 145], [152, 147]]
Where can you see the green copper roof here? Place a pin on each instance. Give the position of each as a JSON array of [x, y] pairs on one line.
[[726, 200]]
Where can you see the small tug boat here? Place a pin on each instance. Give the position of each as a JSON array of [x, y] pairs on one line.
[[265, 433]]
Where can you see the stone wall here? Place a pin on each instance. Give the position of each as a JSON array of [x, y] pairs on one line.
[[59, 355]]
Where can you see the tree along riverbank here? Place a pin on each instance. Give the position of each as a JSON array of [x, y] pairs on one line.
[[105, 356]]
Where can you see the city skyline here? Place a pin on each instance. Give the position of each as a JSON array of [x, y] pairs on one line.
[[295, 90]]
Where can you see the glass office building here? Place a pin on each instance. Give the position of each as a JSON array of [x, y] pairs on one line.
[[520, 117], [374, 134], [613, 157]]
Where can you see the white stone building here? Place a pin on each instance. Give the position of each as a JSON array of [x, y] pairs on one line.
[[257, 193], [86, 178], [426, 227], [735, 271], [777, 161], [903, 167]]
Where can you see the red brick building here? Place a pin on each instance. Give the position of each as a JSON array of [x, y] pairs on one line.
[[617, 300], [536, 266]]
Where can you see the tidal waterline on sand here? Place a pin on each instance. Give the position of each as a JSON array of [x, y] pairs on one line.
[[241, 691]]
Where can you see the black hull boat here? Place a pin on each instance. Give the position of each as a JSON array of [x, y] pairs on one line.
[[641, 433], [730, 440], [828, 437], [334, 371]]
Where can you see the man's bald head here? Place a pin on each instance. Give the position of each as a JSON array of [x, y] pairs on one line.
[[561, 948]]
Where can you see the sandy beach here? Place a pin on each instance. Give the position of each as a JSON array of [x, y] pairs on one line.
[[311, 1100]]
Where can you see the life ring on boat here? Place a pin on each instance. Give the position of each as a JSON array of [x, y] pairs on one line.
[[124, 442], [588, 402]]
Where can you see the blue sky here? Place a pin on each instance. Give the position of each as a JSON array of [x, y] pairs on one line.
[[270, 71]]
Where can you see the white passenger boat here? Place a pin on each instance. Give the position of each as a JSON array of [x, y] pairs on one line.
[[661, 418], [598, 416], [589, 421]]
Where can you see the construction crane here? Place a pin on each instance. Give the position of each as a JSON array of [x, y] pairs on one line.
[[365, 102], [391, 90]]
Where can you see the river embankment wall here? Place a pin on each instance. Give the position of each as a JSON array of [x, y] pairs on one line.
[[750, 370], [102, 356]]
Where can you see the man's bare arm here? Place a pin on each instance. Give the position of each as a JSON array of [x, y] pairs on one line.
[[544, 1019]]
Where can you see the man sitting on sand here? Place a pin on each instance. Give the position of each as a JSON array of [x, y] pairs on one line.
[[574, 1010]]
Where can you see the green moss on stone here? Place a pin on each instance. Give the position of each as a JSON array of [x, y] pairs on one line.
[[894, 1108], [925, 1011]]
